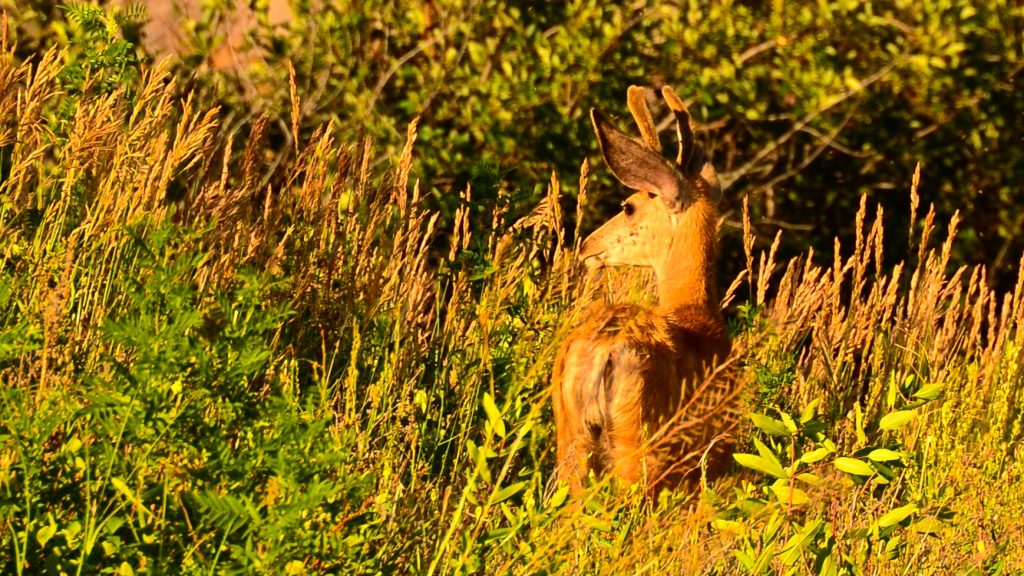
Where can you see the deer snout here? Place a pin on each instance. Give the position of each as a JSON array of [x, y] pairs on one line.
[[591, 254]]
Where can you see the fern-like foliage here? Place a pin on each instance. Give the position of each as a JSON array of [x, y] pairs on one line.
[[100, 59], [228, 513], [129, 15]]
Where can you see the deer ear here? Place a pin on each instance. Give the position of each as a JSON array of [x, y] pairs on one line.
[[635, 165], [712, 187]]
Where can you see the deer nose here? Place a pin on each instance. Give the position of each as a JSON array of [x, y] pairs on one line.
[[587, 251], [590, 255]]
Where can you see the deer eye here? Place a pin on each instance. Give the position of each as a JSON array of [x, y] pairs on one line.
[[628, 208]]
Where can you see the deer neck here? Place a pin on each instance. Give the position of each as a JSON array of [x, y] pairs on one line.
[[686, 275]]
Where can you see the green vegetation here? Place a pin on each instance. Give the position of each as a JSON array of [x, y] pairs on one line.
[[287, 329]]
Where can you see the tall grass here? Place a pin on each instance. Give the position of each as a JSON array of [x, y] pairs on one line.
[[212, 365]]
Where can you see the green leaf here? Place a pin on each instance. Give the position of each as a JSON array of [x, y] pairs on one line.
[[891, 391], [929, 392], [751, 506], [896, 515], [828, 566], [796, 545], [770, 425], [858, 420], [893, 547], [723, 525], [122, 488], [788, 494], [744, 559], [761, 464], [499, 534], [560, 496], [514, 516], [766, 452], [506, 492], [598, 524], [927, 526], [895, 420], [809, 478], [494, 415], [814, 455], [764, 560], [479, 455], [72, 530], [44, 534], [809, 411], [854, 466], [884, 455], [72, 445], [789, 423]]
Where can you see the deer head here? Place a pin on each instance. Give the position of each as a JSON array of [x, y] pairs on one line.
[[670, 221]]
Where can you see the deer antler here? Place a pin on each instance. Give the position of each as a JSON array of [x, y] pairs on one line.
[[687, 144], [637, 102]]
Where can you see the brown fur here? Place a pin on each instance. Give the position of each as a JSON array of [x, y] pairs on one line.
[[624, 377]]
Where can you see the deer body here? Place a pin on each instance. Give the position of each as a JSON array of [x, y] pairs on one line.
[[621, 377]]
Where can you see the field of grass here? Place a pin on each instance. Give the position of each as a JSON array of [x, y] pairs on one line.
[[205, 372]]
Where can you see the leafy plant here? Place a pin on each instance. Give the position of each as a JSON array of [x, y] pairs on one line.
[[799, 459], [100, 59]]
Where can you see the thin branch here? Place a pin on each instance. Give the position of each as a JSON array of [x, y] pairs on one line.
[[826, 142], [730, 178], [383, 80]]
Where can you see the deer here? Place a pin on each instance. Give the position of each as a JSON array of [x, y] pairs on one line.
[[622, 376]]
